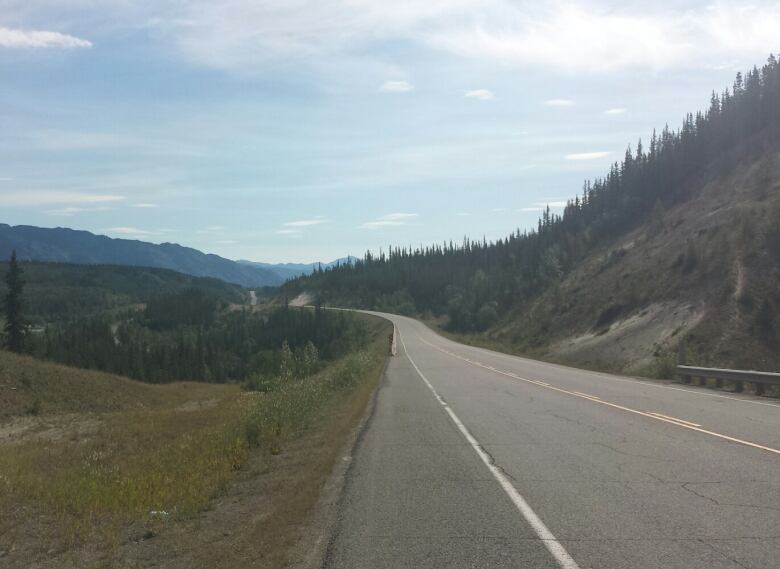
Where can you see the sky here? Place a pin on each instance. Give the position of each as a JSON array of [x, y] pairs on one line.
[[306, 130]]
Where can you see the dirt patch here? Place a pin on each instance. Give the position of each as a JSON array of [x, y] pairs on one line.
[[630, 339], [303, 299], [69, 427]]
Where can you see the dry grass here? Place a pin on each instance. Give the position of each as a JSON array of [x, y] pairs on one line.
[[78, 499]]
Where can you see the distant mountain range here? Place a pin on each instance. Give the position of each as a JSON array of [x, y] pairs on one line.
[[292, 270], [64, 245]]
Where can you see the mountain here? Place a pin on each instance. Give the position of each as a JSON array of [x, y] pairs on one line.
[[676, 248], [62, 245], [292, 270]]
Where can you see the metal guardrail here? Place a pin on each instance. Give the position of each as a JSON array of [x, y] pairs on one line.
[[760, 379]]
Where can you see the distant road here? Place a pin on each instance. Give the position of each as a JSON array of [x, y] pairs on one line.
[[482, 460]]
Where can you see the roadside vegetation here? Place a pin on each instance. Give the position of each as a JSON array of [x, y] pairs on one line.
[[86, 480]]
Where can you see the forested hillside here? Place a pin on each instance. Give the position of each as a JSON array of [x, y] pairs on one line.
[[63, 245], [700, 201], [59, 291]]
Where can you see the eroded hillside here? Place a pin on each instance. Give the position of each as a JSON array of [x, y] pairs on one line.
[[706, 270]]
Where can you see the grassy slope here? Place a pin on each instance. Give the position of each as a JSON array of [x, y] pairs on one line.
[[29, 386], [706, 270], [81, 481]]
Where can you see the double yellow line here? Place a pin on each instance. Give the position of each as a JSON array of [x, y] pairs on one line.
[[650, 415]]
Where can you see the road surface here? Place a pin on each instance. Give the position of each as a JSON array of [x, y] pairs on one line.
[[477, 459]]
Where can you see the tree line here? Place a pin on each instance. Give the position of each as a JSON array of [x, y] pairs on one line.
[[473, 281]]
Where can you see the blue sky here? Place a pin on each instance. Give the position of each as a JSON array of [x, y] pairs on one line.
[[304, 130]]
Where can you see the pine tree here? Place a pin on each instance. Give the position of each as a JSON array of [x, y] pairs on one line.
[[15, 325]]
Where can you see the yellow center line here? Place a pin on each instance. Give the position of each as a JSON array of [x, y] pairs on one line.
[[675, 419], [586, 395], [657, 417]]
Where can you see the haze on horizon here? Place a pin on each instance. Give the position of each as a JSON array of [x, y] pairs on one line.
[[307, 131]]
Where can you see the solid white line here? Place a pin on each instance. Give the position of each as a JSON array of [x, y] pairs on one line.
[[550, 542]]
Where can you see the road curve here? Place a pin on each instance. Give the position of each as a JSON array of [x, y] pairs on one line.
[[478, 459]]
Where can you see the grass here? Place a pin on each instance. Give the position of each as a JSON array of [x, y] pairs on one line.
[[167, 453]]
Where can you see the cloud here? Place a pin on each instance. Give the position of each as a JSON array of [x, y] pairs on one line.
[[480, 94], [569, 36], [615, 111], [145, 205], [131, 231], [287, 232], [552, 203], [319, 220], [39, 39], [70, 211], [389, 220], [396, 87], [587, 155], [40, 198], [559, 103], [535, 208]]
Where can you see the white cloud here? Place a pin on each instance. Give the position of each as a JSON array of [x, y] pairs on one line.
[[35, 39], [39, 198], [572, 36], [559, 103], [399, 216], [145, 205], [552, 203], [131, 231], [615, 111], [587, 155], [396, 87], [287, 231], [70, 211], [535, 208], [319, 220], [481, 94], [389, 220]]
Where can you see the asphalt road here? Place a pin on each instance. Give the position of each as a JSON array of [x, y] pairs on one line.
[[477, 459]]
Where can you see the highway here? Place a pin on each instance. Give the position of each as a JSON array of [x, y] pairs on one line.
[[472, 458]]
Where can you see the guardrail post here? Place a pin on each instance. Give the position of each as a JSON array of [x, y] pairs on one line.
[[738, 386], [702, 380], [719, 382], [759, 388]]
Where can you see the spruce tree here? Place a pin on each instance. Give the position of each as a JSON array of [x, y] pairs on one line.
[[15, 326]]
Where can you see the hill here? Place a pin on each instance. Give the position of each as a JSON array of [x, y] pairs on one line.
[[677, 241], [60, 291], [29, 386], [292, 270], [62, 245]]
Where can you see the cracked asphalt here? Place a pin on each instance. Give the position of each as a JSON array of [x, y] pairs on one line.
[[617, 487]]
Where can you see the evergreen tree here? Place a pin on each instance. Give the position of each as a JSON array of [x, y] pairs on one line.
[[15, 325]]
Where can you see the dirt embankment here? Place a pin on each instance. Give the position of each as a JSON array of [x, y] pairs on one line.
[[707, 270]]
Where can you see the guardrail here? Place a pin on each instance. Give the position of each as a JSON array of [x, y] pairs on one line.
[[760, 379]]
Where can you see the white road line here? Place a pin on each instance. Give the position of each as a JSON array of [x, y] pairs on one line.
[[545, 535]]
